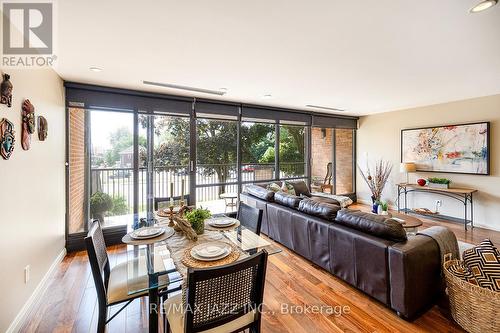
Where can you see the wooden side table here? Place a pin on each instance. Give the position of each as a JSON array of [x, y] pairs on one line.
[[464, 195]]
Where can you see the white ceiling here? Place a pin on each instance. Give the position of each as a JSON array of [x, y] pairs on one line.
[[365, 56]]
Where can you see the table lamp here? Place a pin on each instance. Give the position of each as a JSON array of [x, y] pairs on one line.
[[407, 168]]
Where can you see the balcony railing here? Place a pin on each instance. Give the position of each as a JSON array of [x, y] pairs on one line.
[[119, 182]]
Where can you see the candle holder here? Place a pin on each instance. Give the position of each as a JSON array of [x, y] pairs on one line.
[[171, 216]]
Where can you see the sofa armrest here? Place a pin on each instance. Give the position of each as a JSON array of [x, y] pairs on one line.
[[415, 275], [260, 192]]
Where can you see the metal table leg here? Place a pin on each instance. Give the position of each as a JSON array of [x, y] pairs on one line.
[[465, 214], [471, 212], [154, 302]]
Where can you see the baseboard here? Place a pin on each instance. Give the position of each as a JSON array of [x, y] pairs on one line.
[[479, 225], [21, 317]]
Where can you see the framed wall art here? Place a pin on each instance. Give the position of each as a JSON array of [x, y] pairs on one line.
[[463, 148]]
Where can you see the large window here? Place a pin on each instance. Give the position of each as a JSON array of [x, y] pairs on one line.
[[164, 147], [126, 150], [216, 164], [111, 167], [292, 151], [258, 142]]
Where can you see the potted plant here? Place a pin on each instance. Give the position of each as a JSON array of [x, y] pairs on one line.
[[196, 218], [100, 203], [439, 182], [377, 182], [384, 208]]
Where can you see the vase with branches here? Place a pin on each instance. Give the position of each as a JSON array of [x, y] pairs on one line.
[[376, 179]]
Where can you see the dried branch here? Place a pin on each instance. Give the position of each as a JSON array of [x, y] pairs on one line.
[[377, 183]]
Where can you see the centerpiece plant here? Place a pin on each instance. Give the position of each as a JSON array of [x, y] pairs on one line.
[[197, 219]]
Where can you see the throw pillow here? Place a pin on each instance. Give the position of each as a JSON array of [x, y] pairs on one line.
[[273, 187], [288, 188], [460, 270], [483, 262]]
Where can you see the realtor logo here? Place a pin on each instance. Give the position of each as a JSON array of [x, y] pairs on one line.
[[27, 30]]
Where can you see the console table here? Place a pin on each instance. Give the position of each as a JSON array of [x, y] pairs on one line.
[[464, 195]]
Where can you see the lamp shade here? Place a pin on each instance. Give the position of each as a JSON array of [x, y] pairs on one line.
[[408, 167]]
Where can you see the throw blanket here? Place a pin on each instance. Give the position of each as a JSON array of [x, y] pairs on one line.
[[446, 239], [344, 201]]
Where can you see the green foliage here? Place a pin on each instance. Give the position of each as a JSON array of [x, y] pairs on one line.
[[384, 205], [197, 218], [120, 139], [217, 141], [120, 206], [256, 140], [439, 181], [100, 202]]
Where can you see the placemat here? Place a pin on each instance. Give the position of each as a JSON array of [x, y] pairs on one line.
[[189, 261]]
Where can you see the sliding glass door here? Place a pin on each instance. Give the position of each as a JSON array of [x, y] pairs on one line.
[[111, 192], [164, 155], [216, 164]]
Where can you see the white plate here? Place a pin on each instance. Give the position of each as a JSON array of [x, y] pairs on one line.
[[211, 251], [147, 232], [222, 222]]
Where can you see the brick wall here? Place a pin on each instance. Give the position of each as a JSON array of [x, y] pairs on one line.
[[344, 159], [76, 170], [321, 154]]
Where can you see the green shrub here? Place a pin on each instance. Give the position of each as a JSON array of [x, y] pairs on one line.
[[120, 206], [100, 202], [439, 180]]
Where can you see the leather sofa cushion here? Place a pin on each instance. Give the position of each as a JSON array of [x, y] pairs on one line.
[[301, 188], [323, 210], [288, 200], [372, 224], [260, 192], [325, 200]]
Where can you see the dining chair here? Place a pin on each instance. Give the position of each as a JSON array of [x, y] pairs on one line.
[[110, 284], [158, 200], [250, 217], [223, 299]]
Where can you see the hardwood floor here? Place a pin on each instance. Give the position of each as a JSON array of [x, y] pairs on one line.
[[70, 305]]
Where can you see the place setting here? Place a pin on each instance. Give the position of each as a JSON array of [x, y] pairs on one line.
[[221, 223], [210, 254], [148, 235]]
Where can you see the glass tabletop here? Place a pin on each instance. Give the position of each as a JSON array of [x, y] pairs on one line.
[[152, 266], [246, 239]]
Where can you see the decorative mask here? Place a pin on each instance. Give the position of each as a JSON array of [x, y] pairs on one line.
[[6, 138], [28, 116], [43, 128], [6, 91]]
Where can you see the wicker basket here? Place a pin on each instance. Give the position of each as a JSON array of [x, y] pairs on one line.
[[474, 308]]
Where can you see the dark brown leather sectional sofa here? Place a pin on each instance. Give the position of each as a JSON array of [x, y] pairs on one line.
[[367, 251]]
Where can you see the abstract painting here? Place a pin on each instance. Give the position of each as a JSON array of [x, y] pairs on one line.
[[453, 148]]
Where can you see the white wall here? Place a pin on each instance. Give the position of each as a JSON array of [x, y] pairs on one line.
[[380, 136], [32, 196]]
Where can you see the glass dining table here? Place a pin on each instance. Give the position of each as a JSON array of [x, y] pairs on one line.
[[157, 269]]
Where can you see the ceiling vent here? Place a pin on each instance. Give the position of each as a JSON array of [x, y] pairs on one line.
[[179, 87], [325, 108]]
